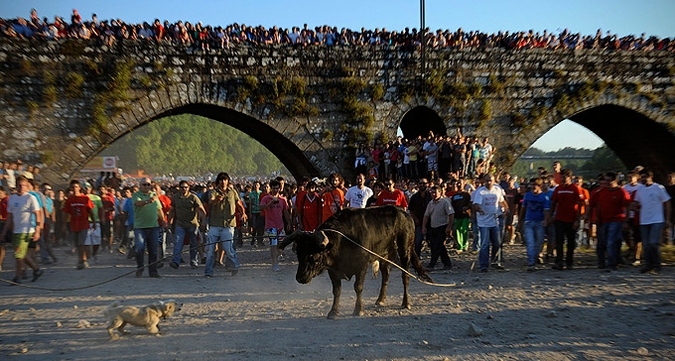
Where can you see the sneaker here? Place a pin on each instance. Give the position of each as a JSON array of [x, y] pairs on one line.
[[558, 267], [173, 265], [36, 274], [483, 270], [276, 268], [498, 266], [281, 258], [531, 269], [193, 266], [208, 276], [80, 265], [234, 271], [155, 275], [122, 250], [430, 266], [139, 273], [85, 264], [636, 263], [16, 280], [570, 267], [160, 265], [447, 267]]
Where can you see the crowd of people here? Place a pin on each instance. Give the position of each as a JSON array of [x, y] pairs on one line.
[[208, 37], [464, 210]]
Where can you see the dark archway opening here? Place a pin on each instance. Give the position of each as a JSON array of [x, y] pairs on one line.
[[284, 149], [633, 137], [419, 121]]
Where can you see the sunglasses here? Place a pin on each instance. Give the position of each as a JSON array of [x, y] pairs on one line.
[[146, 184]]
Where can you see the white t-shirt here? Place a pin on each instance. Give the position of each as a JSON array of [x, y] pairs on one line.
[[489, 200], [22, 208], [357, 197], [651, 200], [631, 190]]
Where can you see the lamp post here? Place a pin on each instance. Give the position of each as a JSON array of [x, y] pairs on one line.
[[423, 64]]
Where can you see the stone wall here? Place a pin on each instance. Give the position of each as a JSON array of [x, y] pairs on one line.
[[63, 102]]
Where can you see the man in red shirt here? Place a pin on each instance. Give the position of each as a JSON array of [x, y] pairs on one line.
[[566, 203], [166, 208], [391, 195], [611, 207], [108, 201], [333, 198], [3, 218], [80, 207]]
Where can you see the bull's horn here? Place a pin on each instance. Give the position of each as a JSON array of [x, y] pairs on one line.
[[322, 238]]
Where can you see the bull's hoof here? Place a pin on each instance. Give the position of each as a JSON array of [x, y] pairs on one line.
[[380, 303], [332, 315], [406, 306], [358, 313]]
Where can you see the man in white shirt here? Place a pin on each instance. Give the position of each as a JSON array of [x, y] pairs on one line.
[[24, 220], [488, 203], [358, 194], [654, 204]]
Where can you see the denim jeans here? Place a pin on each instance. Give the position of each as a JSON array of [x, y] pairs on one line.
[[222, 235], [611, 232], [191, 233], [476, 234], [488, 236], [534, 239], [147, 237], [651, 243], [419, 238]]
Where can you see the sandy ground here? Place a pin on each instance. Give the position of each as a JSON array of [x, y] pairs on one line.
[[582, 314]]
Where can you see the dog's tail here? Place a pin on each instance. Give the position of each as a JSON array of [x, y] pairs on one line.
[[110, 307]]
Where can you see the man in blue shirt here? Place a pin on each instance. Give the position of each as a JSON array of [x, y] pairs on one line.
[[533, 218]]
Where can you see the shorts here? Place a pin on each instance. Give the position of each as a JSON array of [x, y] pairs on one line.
[[432, 165], [78, 237], [275, 235], [93, 236], [21, 241]]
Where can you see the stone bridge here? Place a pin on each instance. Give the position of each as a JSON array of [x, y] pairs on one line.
[[63, 102]]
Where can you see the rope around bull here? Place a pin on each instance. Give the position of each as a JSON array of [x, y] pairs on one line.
[[69, 289], [392, 263], [11, 283]]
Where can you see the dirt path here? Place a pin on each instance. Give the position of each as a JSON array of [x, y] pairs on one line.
[[583, 314]]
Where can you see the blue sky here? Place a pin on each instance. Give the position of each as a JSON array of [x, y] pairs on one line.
[[622, 17]]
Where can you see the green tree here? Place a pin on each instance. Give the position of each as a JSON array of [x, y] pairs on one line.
[[191, 145]]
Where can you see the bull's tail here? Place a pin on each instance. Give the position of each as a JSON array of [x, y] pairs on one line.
[[419, 269]]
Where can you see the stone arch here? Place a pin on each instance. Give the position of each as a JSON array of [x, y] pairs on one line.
[[297, 143], [635, 133], [292, 157], [419, 121]]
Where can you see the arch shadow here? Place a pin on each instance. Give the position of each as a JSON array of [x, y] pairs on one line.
[[283, 148], [633, 137], [419, 121]]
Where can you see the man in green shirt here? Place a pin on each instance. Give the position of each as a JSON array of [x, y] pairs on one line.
[[148, 217], [187, 213], [224, 203]]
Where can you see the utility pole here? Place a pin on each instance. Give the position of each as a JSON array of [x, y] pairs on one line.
[[423, 65]]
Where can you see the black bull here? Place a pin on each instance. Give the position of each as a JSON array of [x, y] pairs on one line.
[[387, 231]]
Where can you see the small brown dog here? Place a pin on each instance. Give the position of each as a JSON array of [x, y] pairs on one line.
[[146, 316]]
